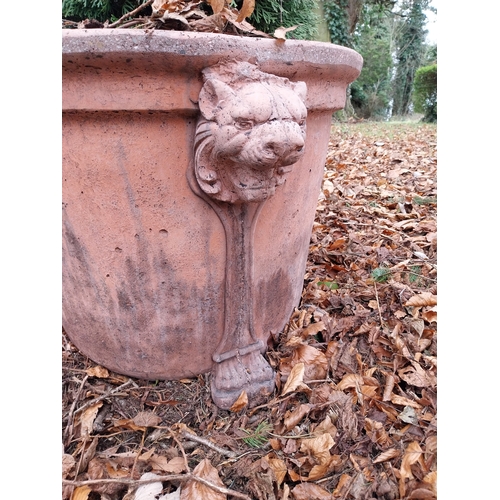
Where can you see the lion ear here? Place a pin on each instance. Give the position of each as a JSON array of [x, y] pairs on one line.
[[207, 179], [300, 89], [211, 94]]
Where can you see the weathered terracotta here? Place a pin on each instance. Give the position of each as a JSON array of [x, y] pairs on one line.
[[192, 164]]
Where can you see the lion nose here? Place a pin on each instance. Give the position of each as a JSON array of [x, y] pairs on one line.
[[280, 146]]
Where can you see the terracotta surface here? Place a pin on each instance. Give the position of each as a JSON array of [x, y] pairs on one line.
[[189, 195]]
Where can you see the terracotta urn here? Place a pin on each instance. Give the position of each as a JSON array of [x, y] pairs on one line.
[[192, 164]]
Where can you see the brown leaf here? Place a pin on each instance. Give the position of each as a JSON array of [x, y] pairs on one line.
[[89, 454], [146, 419], [279, 468], [68, 463], [431, 479], [350, 380], [246, 10], [294, 417], [422, 299], [310, 491], [421, 494], [325, 426], [162, 6], [315, 362], [387, 455], [81, 493], [217, 5], [147, 455], [97, 371], [375, 430], [318, 447], [295, 379], [412, 454], [343, 486], [194, 490], [174, 466], [87, 419], [312, 329], [281, 32], [240, 403], [417, 376], [127, 423], [430, 316], [105, 469], [390, 380], [400, 400]]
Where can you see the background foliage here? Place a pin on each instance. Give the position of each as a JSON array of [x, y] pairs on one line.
[[390, 35], [101, 10], [425, 92], [271, 14]]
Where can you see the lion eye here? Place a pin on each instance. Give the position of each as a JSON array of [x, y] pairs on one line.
[[243, 124]]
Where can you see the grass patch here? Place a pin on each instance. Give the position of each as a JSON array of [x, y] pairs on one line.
[[427, 200], [258, 437], [381, 274]]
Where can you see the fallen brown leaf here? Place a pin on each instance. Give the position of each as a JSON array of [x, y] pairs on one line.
[[294, 417], [246, 10], [401, 400], [412, 453], [87, 419], [160, 463], [279, 468], [68, 463], [421, 494], [217, 5], [146, 419], [315, 362], [376, 432], [422, 299], [417, 376], [342, 486], [350, 380], [194, 490], [325, 426], [318, 448], [281, 32], [240, 403], [295, 379], [310, 491], [431, 479], [387, 455], [97, 371], [81, 493]]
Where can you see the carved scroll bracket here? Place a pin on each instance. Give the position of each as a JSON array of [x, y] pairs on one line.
[[250, 132]]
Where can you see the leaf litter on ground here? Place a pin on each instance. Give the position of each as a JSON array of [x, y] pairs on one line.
[[354, 413]]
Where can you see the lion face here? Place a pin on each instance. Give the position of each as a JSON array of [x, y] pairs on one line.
[[253, 132]]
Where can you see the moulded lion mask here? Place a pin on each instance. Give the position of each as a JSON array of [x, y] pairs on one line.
[[251, 130]]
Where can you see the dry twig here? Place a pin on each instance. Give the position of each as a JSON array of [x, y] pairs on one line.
[[130, 14], [104, 396], [69, 426], [209, 444]]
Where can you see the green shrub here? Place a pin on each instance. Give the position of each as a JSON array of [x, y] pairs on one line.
[[425, 92], [271, 14], [337, 21], [101, 10]]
